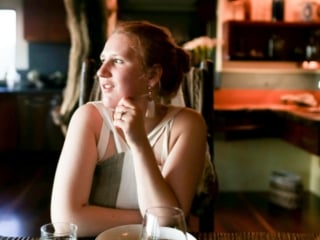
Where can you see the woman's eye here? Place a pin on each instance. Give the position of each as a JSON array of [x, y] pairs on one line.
[[117, 60]]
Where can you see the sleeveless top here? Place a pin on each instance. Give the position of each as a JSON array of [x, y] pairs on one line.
[[114, 183]]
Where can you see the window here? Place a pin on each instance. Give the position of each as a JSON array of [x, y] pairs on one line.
[[21, 46], [7, 41]]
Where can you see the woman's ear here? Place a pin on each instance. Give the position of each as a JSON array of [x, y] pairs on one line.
[[155, 74]]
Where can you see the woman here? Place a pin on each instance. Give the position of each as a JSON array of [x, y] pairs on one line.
[[130, 152]]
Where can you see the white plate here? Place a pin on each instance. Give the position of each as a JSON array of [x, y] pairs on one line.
[[126, 232]]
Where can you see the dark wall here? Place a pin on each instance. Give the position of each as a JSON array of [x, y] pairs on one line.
[[47, 58], [186, 19]]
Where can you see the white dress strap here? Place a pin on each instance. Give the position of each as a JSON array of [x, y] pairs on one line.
[[103, 139], [156, 133], [164, 128], [108, 123], [165, 143]]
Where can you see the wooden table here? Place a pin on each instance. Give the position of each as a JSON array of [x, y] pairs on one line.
[[224, 236], [257, 236]]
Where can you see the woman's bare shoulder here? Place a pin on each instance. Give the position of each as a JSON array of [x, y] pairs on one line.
[[188, 118], [87, 114], [86, 109]]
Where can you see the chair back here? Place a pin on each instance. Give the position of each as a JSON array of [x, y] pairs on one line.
[[89, 85], [197, 93]]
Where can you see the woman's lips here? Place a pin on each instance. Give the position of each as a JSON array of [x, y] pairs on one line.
[[107, 86]]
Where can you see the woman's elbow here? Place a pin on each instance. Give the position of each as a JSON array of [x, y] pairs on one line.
[[62, 213]]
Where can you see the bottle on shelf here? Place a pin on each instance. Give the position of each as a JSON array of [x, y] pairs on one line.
[[277, 10]]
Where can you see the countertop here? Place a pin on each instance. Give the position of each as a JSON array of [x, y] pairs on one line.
[[308, 114], [268, 100], [29, 90]]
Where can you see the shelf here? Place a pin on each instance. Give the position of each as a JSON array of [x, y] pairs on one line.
[[269, 41]]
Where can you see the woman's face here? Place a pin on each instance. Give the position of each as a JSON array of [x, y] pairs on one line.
[[120, 74]]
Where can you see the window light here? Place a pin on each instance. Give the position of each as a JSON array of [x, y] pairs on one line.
[[7, 42]]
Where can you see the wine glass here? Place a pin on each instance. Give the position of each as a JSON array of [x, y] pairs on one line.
[[164, 223]]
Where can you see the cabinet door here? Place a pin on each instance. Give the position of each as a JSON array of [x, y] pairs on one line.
[[45, 21], [8, 122], [244, 124], [37, 130], [301, 135]]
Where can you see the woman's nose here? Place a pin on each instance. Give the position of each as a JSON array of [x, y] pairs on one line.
[[103, 70]]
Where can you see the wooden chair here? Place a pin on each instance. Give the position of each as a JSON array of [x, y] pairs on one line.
[[89, 86], [197, 91]]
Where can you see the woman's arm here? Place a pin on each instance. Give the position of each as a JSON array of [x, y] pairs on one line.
[[176, 184], [182, 169], [74, 176]]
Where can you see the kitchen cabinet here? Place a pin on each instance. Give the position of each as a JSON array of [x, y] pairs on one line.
[[276, 41], [302, 132], [37, 131], [303, 135], [26, 123], [45, 21], [244, 124], [8, 122]]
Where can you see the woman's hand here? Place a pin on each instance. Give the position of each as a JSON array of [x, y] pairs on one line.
[[129, 118]]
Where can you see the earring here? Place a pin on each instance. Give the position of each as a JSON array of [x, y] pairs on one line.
[[151, 106]]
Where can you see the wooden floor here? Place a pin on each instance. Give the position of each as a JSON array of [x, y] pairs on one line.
[[25, 188], [252, 211]]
